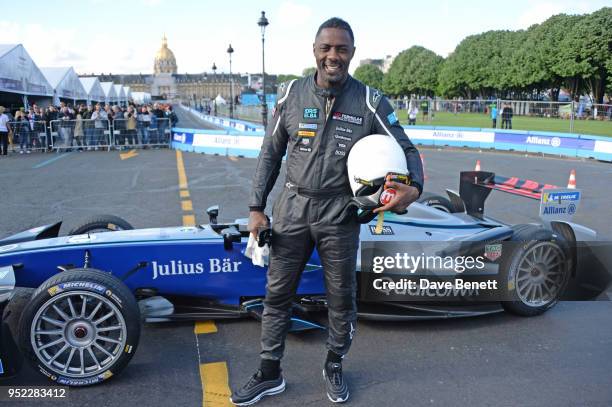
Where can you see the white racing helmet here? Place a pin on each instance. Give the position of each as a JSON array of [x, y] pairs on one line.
[[370, 160]]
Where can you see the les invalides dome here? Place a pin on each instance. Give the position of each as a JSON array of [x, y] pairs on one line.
[[165, 62]]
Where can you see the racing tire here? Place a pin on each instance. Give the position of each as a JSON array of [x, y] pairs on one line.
[[101, 223], [436, 201], [80, 328], [536, 272]]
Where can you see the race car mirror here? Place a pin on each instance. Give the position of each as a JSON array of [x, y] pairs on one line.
[[213, 213], [230, 235]]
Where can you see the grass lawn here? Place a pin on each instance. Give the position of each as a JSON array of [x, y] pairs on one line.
[[596, 127]]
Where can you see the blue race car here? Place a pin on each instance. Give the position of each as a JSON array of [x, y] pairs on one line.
[[81, 325]]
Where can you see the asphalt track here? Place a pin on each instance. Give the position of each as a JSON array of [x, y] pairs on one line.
[[562, 358]]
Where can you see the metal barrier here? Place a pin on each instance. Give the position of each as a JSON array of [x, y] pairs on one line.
[[28, 136], [140, 133], [567, 117], [81, 133]]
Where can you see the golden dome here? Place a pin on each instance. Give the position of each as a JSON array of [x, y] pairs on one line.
[[164, 59]]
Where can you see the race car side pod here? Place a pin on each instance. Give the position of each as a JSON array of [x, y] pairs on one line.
[[475, 186]]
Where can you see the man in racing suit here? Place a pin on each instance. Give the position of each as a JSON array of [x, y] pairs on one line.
[[315, 122]]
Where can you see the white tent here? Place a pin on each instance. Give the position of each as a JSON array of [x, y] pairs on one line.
[[219, 99], [141, 97], [120, 93], [94, 90], [109, 92], [20, 77], [65, 83], [128, 93]]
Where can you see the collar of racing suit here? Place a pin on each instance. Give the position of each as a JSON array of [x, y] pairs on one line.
[[327, 92]]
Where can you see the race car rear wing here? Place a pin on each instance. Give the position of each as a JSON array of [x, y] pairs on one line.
[[475, 187]]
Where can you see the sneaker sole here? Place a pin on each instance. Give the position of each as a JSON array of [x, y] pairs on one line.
[[270, 392], [330, 397]]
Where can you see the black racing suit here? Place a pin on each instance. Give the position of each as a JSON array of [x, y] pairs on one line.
[[316, 128]]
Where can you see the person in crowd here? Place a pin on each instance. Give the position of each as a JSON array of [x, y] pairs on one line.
[[100, 118], [66, 118], [153, 133], [425, 109], [49, 117], [413, 111], [5, 127], [119, 126], [507, 114], [78, 129], [22, 131], [172, 116], [162, 122], [130, 126], [494, 115], [143, 121]]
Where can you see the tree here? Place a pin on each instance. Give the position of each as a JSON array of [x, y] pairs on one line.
[[286, 78], [589, 45], [369, 74], [414, 70], [309, 71]]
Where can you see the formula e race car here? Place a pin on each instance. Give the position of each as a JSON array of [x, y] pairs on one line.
[[92, 290]]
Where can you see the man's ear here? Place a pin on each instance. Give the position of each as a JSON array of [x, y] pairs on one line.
[[313, 48], [353, 53]]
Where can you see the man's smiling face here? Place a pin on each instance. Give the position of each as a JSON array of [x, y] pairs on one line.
[[333, 50]]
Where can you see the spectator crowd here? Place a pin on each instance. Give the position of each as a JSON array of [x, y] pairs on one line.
[[85, 127]]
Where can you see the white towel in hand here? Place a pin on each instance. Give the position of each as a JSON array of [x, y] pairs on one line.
[[259, 255]]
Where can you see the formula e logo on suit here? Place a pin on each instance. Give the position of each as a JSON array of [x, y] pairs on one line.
[[178, 268], [348, 118]]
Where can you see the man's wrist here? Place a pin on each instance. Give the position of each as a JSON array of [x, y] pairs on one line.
[[418, 186], [256, 208]]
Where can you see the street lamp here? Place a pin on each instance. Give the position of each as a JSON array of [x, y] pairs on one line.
[[263, 23], [214, 69], [230, 51]]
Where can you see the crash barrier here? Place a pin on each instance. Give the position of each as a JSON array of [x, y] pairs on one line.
[[247, 144], [146, 131], [28, 135], [562, 144], [225, 122], [84, 133], [221, 142]]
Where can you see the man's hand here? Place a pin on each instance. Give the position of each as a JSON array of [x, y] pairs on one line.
[[257, 221], [405, 195]]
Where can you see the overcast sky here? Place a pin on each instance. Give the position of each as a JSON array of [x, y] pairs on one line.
[[123, 37]]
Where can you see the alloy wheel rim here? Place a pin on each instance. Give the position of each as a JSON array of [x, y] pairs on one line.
[[78, 334]]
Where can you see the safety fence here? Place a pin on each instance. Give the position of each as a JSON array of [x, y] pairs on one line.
[[566, 117], [88, 134], [247, 144], [28, 135]]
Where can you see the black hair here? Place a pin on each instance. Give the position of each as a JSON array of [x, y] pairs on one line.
[[336, 22]]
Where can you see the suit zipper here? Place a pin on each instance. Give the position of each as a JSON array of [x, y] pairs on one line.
[[329, 104]]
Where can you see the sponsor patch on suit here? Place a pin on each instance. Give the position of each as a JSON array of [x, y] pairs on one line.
[[310, 126], [311, 113], [306, 133], [348, 118]]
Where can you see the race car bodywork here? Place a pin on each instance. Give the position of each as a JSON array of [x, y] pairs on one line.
[[201, 272]]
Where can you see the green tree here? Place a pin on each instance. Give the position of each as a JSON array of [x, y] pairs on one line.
[[286, 78], [369, 74], [414, 70], [587, 50], [544, 61], [309, 71]]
